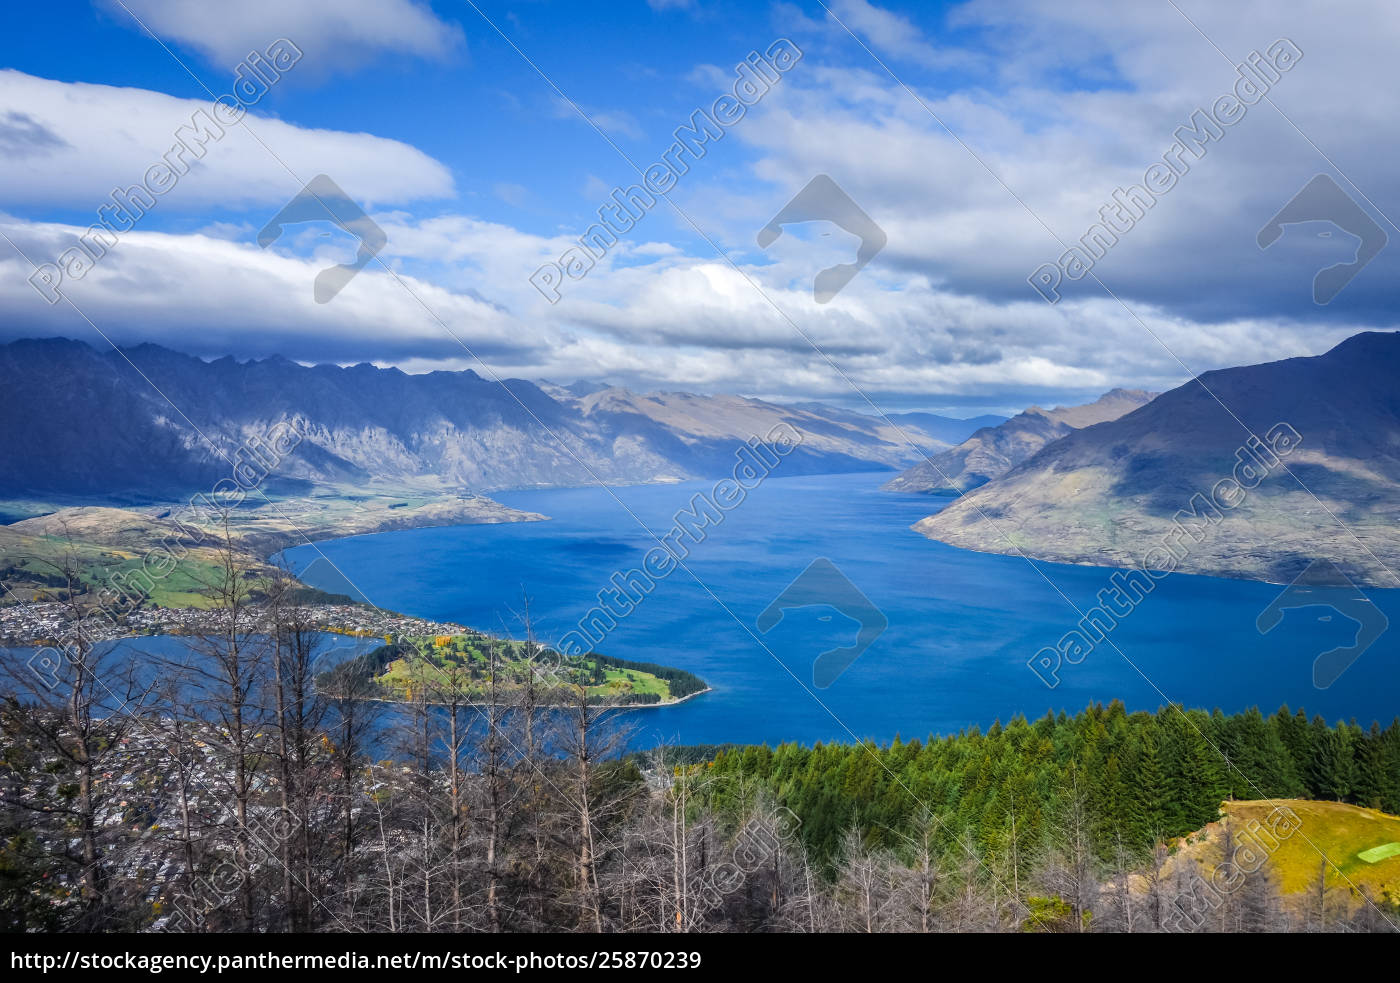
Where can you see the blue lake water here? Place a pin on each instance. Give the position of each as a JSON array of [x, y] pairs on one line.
[[961, 625]]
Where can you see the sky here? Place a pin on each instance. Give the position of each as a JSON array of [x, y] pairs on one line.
[[982, 139]]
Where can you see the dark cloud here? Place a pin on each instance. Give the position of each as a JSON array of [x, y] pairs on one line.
[[21, 135]]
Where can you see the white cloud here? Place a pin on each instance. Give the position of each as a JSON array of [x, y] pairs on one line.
[[615, 121], [77, 142], [890, 34], [672, 322], [944, 311], [1076, 103], [197, 290], [344, 34]]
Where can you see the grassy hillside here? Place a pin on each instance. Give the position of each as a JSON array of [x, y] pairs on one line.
[[32, 562], [108, 546], [1362, 846]]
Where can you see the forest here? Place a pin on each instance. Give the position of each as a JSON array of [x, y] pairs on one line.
[[1144, 778]]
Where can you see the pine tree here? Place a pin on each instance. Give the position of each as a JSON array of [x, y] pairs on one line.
[[1390, 768], [1296, 735], [1370, 768], [1261, 765], [1146, 815], [1334, 769]]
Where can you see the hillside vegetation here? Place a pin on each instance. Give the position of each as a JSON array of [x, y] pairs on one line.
[[1135, 780], [475, 668], [1361, 846], [169, 555]]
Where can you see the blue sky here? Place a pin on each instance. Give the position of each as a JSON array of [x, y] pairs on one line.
[[479, 172], [517, 154]]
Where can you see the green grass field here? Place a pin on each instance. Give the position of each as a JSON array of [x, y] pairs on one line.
[[105, 541], [32, 569], [1378, 853]]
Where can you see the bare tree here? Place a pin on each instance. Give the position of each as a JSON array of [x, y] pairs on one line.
[[918, 879], [226, 679], [1068, 867], [589, 736], [75, 705]]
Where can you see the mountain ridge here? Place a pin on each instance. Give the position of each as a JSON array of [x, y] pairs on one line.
[[108, 431], [1108, 494], [992, 451]]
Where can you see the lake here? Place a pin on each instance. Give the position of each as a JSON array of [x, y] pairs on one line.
[[961, 625]]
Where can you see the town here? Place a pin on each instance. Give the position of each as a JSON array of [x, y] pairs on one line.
[[53, 622]]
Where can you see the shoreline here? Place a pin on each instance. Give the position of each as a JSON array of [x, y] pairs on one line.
[[631, 706], [42, 643], [1027, 555], [543, 706]]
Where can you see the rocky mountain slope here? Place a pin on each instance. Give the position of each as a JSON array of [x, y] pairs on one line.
[[79, 421], [992, 451], [1123, 493]]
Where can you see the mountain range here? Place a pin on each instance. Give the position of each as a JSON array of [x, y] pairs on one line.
[[994, 450], [1174, 474], [144, 422], [1106, 483]]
